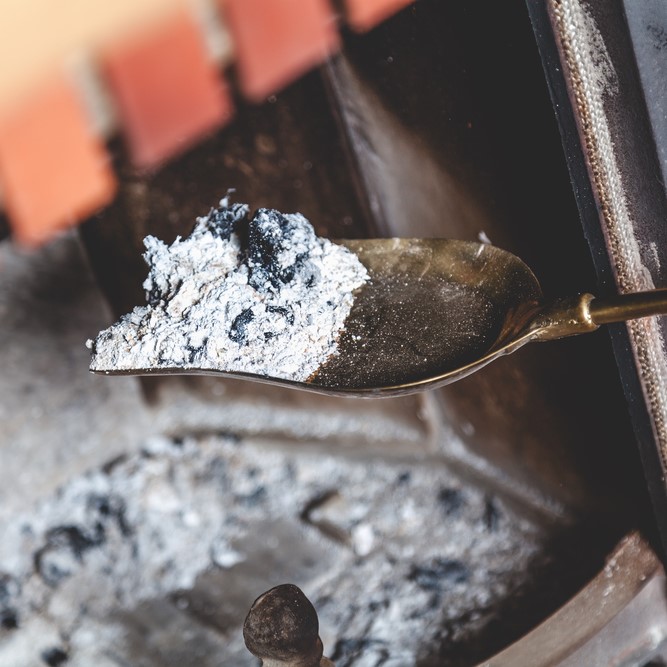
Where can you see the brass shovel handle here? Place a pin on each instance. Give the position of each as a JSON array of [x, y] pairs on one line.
[[624, 307], [576, 315]]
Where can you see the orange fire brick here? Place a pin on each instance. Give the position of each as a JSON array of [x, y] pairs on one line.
[[53, 170], [168, 92], [278, 40], [363, 15]]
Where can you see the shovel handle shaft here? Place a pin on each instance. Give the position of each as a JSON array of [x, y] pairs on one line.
[[624, 307]]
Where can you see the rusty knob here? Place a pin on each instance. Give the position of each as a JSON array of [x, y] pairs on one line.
[[282, 629]]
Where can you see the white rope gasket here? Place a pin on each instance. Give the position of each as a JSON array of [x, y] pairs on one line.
[[592, 84]]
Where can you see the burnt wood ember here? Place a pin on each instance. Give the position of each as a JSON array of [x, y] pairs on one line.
[[347, 651], [224, 220], [439, 574], [9, 590], [271, 237], [54, 657], [452, 501], [237, 332]]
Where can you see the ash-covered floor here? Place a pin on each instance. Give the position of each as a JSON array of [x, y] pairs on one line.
[[138, 532]]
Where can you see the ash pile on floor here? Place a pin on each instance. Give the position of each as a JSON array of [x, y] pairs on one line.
[[397, 559]]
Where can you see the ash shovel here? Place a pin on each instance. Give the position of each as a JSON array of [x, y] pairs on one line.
[[436, 310]]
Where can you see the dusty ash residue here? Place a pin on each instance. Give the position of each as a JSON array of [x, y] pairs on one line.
[[412, 557], [258, 295]]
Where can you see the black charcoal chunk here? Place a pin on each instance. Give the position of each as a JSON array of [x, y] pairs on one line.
[[238, 331], [273, 242], [9, 592], [225, 220], [64, 549], [452, 501], [348, 650], [492, 514], [54, 657], [9, 619], [404, 477], [154, 296], [286, 312], [439, 574], [110, 507]]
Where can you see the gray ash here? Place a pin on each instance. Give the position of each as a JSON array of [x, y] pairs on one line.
[[149, 526], [259, 295]]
